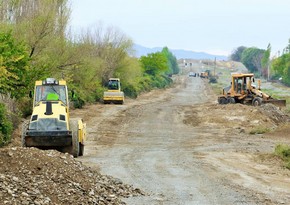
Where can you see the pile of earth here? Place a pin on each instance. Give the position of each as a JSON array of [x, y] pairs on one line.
[[235, 116], [33, 176]]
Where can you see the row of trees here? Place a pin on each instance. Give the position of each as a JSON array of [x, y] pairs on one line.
[[36, 43], [281, 65], [255, 59], [259, 62]]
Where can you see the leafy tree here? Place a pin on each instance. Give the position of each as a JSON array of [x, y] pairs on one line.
[[287, 48], [171, 61], [109, 46], [39, 45], [154, 63], [41, 25], [85, 61], [13, 66], [237, 53], [155, 67], [251, 58], [96, 56], [281, 66], [5, 126]]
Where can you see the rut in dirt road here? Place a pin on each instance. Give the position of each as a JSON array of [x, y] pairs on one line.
[[147, 144]]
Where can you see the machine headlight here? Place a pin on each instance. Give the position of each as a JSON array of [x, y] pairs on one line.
[[34, 117], [62, 117]]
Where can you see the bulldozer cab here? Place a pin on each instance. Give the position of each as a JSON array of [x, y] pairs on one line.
[[241, 83], [50, 90]]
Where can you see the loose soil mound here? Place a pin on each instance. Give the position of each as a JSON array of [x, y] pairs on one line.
[[239, 116], [33, 176]]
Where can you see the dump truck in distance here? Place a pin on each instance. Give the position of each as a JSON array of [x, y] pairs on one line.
[[114, 93], [50, 126]]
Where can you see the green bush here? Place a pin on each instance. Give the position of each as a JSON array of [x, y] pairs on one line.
[[25, 106], [99, 93], [6, 126], [146, 84], [259, 130], [161, 81], [130, 91], [78, 102], [77, 99], [283, 151]]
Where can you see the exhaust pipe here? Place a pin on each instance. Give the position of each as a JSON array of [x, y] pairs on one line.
[[48, 108]]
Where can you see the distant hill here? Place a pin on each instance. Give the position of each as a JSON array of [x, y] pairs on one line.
[[179, 53]]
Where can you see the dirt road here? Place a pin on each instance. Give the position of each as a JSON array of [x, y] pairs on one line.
[[180, 147]]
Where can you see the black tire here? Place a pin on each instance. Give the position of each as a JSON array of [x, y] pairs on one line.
[[81, 151], [257, 101], [231, 100], [23, 132], [75, 147], [222, 100]]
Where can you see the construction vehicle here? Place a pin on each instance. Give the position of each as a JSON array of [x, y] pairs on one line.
[[242, 90], [204, 74], [114, 93], [50, 126]]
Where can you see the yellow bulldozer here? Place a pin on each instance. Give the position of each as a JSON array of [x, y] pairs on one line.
[[50, 126], [242, 90], [114, 93], [204, 74]]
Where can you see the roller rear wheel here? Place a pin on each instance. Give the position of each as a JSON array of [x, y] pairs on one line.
[[81, 150]]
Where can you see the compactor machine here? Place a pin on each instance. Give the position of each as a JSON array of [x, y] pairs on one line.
[[50, 126], [242, 90], [114, 93]]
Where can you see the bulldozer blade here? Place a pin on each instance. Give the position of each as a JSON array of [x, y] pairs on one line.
[[279, 103]]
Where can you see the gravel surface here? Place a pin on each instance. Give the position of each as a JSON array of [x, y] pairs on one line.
[[33, 176], [171, 146], [181, 147]]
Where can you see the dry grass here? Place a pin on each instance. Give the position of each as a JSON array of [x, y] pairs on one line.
[[283, 151]]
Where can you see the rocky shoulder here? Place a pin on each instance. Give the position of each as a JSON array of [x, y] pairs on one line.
[[33, 176]]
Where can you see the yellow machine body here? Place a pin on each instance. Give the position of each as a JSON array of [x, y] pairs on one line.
[[50, 125], [242, 90], [114, 93]]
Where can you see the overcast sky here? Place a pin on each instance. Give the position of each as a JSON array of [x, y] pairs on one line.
[[213, 26]]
